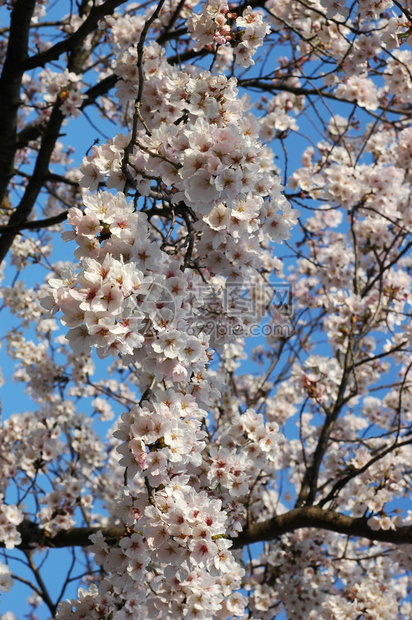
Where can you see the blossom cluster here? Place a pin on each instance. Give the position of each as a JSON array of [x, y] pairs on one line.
[[10, 517], [6, 581], [217, 23], [132, 300], [66, 88], [213, 162]]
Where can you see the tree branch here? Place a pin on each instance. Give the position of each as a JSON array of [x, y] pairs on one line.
[[313, 516], [272, 87], [338, 486], [32, 131], [38, 178], [298, 518], [33, 536], [36, 224], [10, 83], [67, 45]]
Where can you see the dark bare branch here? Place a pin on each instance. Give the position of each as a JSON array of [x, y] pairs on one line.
[[10, 84], [313, 516], [298, 518], [21, 213], [37, 224]]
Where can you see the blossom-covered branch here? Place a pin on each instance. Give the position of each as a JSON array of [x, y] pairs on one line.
[[210, 360]]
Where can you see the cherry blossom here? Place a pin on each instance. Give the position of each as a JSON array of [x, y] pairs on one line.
[[206, 308]]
